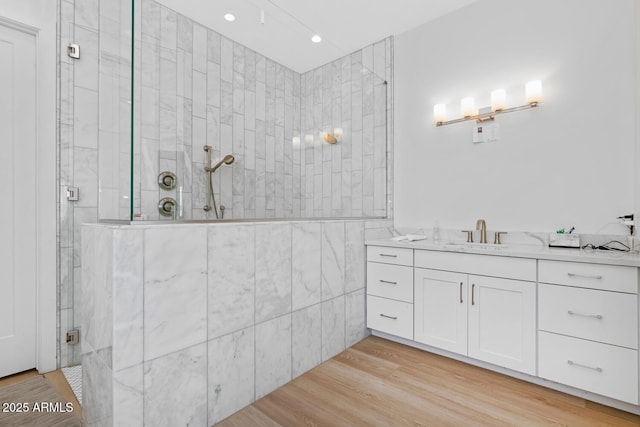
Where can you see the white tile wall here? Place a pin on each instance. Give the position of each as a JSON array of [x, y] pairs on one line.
[[195, 86], [199, 87], [176, 313]]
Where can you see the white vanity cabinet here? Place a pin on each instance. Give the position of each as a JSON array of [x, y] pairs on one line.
[[441, 309], [480, 306], [390, 290], [588, 327], [567, 318]]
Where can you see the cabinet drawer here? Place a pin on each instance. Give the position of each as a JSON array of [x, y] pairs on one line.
[[388, 255], [608, 317], [484, 265], [390, 281], [600, 368], [595, 276], [392, 317]]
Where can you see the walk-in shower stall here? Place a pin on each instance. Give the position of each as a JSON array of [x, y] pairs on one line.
[[237, 177], [306, 143]]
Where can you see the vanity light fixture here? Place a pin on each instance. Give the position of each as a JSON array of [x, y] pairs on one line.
[[533, 98]]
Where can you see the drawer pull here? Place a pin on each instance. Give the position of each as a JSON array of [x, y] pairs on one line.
[[572, 363], [388, 282], [596, 316], [389, 317], [585, 276], [389, 255]]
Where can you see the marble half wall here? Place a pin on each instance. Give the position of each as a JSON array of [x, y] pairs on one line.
[[189, 323]]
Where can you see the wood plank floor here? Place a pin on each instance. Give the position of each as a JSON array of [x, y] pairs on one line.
[[56, 379], [382, 383]]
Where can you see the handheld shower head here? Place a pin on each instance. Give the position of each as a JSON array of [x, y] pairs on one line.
[[227, 160]]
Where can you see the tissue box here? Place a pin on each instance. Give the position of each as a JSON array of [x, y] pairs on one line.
[[564, 240]]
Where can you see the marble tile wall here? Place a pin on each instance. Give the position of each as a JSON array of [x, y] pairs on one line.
[[354, 93], [197, 87], [192, 322]]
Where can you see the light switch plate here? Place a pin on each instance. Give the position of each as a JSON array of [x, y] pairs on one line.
[[485, 133]]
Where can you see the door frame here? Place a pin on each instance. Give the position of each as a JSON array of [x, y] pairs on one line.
[[38, 17]]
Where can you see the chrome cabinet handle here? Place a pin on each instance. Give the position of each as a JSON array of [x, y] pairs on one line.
[[585, 276], [572, 363], [389, 317], [388, 282], [473, 294], [461, 293], [573, 313], [389, 255]]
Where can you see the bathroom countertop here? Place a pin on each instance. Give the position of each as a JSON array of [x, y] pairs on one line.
[[536, 251]]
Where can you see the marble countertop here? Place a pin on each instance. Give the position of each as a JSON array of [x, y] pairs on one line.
[[536, 251]]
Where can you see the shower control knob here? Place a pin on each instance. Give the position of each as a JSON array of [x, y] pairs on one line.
[[167, 206], [167, 180]]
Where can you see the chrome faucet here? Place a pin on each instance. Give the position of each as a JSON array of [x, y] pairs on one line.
[[482, 226]]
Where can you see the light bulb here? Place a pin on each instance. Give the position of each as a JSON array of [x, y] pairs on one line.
[[468, 107], [533, 92], [498, 100], [439, 113]]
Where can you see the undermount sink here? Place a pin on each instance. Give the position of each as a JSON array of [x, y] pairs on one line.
[[475, 246]]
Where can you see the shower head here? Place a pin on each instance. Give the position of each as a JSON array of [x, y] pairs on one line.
[[227, 160]]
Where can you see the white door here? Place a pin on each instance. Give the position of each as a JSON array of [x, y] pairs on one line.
[[502, 322], [18, 207], [441, 309]]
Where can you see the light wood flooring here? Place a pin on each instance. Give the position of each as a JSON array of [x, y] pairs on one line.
[[56, 379], [382, 383]]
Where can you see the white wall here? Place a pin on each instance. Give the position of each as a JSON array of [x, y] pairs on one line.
[[41, 14], [569, 162]]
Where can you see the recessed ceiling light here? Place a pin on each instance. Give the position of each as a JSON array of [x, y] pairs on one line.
[[316, 38], [230, 17]]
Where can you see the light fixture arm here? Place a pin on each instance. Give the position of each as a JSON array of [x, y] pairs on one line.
[[483, 117]]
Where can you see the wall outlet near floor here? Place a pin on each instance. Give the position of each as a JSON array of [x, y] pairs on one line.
[[73, 337], [485, 132]]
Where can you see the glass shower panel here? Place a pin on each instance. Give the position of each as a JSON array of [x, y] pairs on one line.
[[114, 110], [349, 178], [94, 98], [201, 96]]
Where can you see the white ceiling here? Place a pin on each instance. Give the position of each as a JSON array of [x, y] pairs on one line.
[[344, 25]]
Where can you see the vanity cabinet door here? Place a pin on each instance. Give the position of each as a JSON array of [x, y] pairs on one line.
[[440, 306], [502, 322]]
